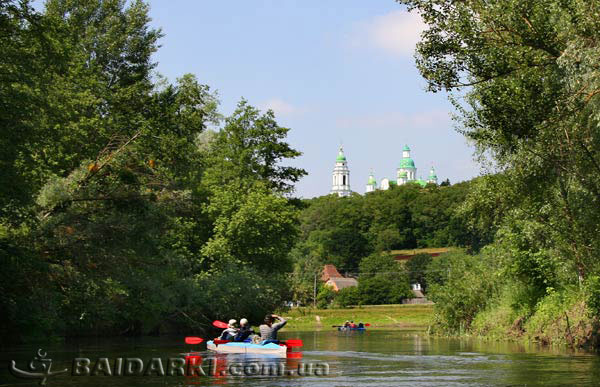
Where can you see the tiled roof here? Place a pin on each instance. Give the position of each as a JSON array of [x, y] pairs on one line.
[[329, 271]]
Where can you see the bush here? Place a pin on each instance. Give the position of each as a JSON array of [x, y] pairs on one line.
[[382, 280], [562, 317], [462, 289], [592, 288], [325, 296], [505, 314], [417, 269], [347, 297]]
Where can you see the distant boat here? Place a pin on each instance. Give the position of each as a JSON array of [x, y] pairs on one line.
[[343, 329]]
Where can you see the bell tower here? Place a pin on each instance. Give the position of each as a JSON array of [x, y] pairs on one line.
[[341, 175]]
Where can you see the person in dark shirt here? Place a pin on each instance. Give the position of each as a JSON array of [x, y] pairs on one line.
[[244, 332], [230, 332]]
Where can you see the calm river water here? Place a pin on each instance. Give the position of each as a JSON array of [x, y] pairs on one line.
[[374, 358]]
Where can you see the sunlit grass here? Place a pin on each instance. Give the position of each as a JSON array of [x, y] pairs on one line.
[[379, 316], [432, 250]]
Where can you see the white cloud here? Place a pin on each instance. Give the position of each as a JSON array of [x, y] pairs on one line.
[[421, 120], [280, 107], [395, 33]]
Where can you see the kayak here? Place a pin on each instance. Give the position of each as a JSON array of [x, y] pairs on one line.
[[235, 347], [351, 329]]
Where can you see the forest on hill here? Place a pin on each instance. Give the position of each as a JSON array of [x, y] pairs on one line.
[[357, 233]]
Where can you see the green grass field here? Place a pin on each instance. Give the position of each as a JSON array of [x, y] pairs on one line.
[[379, 316], [432, 250]]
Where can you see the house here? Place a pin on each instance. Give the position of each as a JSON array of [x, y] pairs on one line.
[[419, 297], [335, 280], [329, 271], [340, 283]]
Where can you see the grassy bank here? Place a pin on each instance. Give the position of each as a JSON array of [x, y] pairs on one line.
[[379, 316], [561, 318]]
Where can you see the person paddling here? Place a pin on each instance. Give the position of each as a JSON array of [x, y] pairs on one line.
[[229, 332], [244, 332], [268, 330]]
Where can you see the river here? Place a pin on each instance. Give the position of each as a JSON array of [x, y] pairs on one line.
[[329, 358]]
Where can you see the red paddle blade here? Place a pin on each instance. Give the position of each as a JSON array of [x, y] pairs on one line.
[[220, 324], [294, 355], [294, 343], [217, 341], [193, 340], [367, 325]]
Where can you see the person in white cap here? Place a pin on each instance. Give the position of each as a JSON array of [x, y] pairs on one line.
[[229, 332], [244, 332]]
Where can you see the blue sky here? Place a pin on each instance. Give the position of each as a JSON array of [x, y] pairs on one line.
[[333, 71]]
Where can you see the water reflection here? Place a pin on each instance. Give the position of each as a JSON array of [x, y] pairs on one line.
[[372, 358]]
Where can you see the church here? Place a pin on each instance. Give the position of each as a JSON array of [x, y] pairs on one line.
[[405, 173]]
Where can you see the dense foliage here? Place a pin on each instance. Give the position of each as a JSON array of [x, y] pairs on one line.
[[122, 213], [119, 211], [350, 231], [525, 78], [417, 268]]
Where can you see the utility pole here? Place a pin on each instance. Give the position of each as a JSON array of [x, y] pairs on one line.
[[315, 292]]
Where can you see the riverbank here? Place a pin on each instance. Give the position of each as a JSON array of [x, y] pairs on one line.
[[379, 316]]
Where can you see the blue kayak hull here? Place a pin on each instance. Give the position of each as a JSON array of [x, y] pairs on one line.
[[231, 347]]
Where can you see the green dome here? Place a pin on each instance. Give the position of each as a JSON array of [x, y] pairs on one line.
[[406, 148], [432, 174], [340, 156], [371, 181], [407, 163]]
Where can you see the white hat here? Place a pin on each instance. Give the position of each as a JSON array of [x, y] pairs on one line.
[[232, 322], [243, 321]]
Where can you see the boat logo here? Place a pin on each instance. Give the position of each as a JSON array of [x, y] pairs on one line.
[[39, 368]]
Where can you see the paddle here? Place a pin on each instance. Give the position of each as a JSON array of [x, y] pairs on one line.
[[293, 343], [193, 340], [367, 325], [220, 324]]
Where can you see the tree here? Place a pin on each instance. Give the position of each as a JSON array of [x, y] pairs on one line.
[[417, 269], [531, 103], [347, 297], [250, 148], [308, 259], [382, 280], [461, 286], [257, 229], [254, 224]]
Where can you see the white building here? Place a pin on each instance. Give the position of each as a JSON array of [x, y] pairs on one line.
[[341, 176], [405, 173], [372, 183]]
